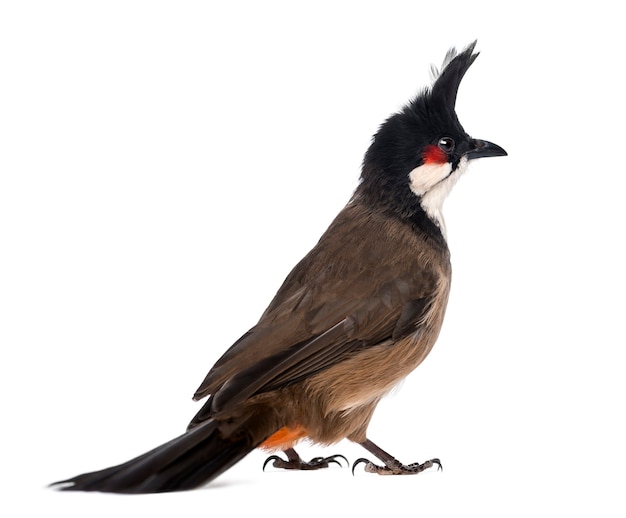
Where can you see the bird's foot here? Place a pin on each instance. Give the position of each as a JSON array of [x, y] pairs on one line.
[[395, 467], [295, 462]]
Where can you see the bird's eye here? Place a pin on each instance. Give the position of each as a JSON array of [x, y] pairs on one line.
[[446, 144]]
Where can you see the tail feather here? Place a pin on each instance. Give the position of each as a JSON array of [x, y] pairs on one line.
[[190, 460]]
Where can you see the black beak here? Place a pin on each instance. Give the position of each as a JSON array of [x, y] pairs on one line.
[[483, 148]]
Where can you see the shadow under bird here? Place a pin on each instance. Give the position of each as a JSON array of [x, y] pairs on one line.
[[354, 317]]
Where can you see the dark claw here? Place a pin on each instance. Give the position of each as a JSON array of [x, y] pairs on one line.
[[333, 458], [273, 457], [328, 460], [357, 462]]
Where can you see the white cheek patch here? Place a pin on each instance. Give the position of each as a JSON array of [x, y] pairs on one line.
[[433, 196], [424, 177]]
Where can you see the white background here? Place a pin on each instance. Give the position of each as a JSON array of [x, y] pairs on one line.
[[163, 165]]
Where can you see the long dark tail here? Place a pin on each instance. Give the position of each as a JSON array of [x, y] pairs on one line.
[[193, 459]]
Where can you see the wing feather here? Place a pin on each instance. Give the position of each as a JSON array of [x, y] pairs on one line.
[[338, 300]]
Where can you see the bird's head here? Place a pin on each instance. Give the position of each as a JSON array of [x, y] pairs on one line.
[[418, 154]]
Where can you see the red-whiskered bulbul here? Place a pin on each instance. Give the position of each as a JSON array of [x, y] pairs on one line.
[[352, 319]]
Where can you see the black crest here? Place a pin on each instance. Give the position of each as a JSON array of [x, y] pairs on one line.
[[446, 85]]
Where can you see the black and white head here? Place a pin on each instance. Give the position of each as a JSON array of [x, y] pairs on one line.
[[418, 154]]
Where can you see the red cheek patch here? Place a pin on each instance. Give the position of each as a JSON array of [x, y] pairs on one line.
[[434, 155]]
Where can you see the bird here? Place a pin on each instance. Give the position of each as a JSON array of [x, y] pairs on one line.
[[352, 319]]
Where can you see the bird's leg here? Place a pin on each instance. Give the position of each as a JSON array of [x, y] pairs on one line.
[[295, 462], [392, 466]]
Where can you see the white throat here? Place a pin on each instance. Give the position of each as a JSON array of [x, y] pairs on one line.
[[432, 183]]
